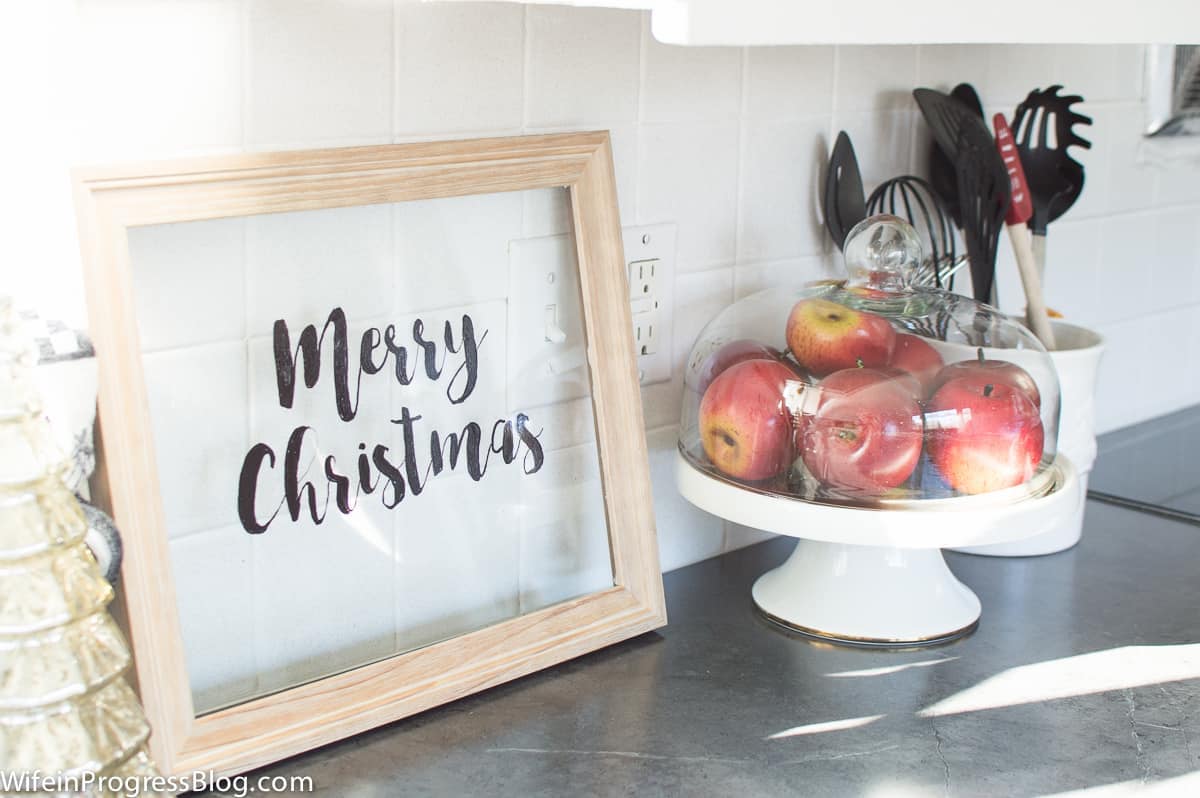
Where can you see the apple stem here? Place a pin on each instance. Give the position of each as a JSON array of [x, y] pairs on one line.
[[859, 362], [980, 352], [987, 389]]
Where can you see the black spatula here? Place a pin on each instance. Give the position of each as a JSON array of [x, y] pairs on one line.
[[845, 201], [941, 169], [983, 187]]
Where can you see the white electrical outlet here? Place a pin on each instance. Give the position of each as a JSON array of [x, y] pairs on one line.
[[643, 285], [646, 330], [650, 259]]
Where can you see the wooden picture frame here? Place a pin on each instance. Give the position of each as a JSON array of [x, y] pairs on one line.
[[110, 200]]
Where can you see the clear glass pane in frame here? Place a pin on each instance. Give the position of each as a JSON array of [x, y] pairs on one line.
[[430, 470]]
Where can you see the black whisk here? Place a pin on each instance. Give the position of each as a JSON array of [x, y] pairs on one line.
[[915, 200]]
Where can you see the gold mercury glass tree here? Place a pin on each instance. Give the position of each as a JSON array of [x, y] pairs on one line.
[[65, 707]]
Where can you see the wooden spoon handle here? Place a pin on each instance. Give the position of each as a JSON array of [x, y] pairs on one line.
[[1039, 253], [1018, 233], [1035, 304]]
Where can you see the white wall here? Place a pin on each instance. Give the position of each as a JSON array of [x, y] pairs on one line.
[[728, 143]]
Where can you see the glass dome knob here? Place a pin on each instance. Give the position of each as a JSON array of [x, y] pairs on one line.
[[882, 253]]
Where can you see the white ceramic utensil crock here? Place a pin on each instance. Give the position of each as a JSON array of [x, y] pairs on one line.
[[1077, 360]]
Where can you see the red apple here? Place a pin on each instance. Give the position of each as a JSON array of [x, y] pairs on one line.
[[866, 433], [825, 337], [995, 371], [868, 293], [731, 354], [745, 425], [984, 435], [904, 378], [914, 355]]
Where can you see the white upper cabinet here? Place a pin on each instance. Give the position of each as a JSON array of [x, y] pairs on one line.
[[767, 22]]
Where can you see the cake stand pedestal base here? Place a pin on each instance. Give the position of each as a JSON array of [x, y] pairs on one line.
[[867, 595]]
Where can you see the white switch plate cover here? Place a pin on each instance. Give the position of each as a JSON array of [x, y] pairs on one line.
[[543, 274], [652, 311]]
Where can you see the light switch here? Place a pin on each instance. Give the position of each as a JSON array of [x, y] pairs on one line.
[[554, 333], [547, 353]]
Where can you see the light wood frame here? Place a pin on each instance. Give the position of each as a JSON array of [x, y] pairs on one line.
[[110, 200]]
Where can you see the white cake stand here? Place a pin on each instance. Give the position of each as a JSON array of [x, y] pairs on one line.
[[872, 576]]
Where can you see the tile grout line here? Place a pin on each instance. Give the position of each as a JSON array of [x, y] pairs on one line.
[[395, 109], [526, 72], [640, 125], [247, 98], [740, 177], [526, 81]]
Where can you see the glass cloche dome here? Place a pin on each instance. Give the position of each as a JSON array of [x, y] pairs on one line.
[[872, 391]]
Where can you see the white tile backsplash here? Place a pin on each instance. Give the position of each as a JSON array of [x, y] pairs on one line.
[[750, 278], [883, 142], [1127, 258], [449, 246], [214, 586], [788, 82], [319, 72], [568, 424], [198, 460], [1072, 285], [582, 67], [1178, 186], [189, 282], [296, 266], [1015, 69], [944, 66], [780, 182], [874, 77], [564, 539], [685, 533], [661, 401], [698, 298], [1099, 72], [1130, 183], [691, 84], [309, 619], [457, 563], [1177, 255], [447, 52], [728, 144], [689, 176]]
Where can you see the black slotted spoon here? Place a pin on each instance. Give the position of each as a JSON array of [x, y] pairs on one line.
[[984, 190], [1055, 178]]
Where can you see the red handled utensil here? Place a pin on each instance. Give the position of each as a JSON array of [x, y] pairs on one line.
[[1018, 214]]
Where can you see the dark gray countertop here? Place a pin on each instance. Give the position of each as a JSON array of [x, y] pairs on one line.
[[1153, 462], [720, 703]]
